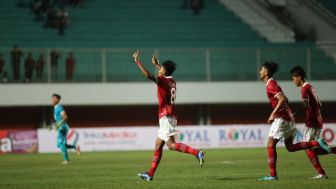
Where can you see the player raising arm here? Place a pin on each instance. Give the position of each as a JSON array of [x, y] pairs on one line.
[[166, 91], [143, 70]]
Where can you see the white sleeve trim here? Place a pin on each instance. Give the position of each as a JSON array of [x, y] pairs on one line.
[[277, 94]]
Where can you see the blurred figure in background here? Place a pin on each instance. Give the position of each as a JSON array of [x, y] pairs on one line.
[[63, 20], [39, 68], [39, 8], [54, 56], [195, 5], [70, 65], [51, 20], [36, 8], [3, 73], [29, 67], [16, 55], [57, 19]]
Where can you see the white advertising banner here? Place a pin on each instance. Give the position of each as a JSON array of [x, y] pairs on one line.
[[143, 138]]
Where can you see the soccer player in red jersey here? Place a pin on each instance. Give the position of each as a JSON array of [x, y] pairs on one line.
[[282, 119], [313, 119], [166, 92]]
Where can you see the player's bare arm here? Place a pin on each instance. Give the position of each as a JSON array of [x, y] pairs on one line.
[[155, 62], [281, 100], [143, 70]]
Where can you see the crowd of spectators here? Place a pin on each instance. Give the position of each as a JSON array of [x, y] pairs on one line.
[[53, 13], [35, 68]]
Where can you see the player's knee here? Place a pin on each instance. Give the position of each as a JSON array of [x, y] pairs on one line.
[[270, 145], [157, 147], [171, 146], [290, 148], [62, 147]]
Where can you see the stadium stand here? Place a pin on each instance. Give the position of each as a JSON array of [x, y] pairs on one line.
[[169, 26], [166, 26]]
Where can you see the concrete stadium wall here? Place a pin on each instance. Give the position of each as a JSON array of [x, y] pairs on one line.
[[145, 93]]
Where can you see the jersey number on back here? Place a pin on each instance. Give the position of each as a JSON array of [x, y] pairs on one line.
[[172, 95]]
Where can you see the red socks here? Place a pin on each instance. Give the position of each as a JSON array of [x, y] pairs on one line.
[[303, 145], [272, 157], [158, 154], [155, 162], [185, 149], [315, 161]]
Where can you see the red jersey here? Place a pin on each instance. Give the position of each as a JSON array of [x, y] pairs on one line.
[[313, 111], [166, 96], [273, 90]]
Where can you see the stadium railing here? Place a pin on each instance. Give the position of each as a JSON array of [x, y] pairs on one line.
[[221, 64]]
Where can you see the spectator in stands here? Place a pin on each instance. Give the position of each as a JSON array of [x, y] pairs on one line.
[[36, 8], [2, 65], [54, 56], [39, 68], [195, 5], [29, 67], [63, 20], [3, 72], [45, 5], [16, 55], [70, 64], [51, 21]]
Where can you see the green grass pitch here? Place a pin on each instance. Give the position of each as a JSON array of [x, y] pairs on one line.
[[224, 168]]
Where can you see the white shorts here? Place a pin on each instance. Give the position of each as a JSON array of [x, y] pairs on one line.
[[310, 134], [167, 128], [282, 129]]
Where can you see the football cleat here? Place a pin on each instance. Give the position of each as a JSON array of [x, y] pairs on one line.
[[320, 176], [268, 178], [324, 145], [200, 157], [65, 162], [145, 176]]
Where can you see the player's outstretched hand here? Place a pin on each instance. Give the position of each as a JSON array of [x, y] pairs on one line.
[[155, 60], [136, 56]]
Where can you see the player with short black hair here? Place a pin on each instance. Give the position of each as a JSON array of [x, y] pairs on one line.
[[169, 67], [62, 128], [57, 96], [313, 119], [298, 71], [271, 67], [167, 114], [282, 120]]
